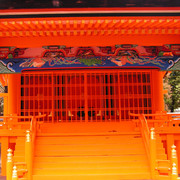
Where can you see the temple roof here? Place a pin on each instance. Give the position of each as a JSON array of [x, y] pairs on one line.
[[90, 26]]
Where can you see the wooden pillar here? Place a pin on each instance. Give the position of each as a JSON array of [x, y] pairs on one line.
[[13, 93], [158, 97], [4, 148], [5, 105]]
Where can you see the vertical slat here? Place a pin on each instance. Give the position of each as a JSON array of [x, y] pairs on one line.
[[100, 113], [58, 119], [137, 95], [60, 96], [66, 95], [23, 95], [90, 100], [32, 108], [52, 96], [142, 96], [29, 98], [151, 86], [48, 99], [85, 97], [145, 92], [43, 102], [75, 97], [124, 96], [114, 97], [105, 97], [131, 92], [38, 92], [108, 95], [71, 96], [80, 95], [96, 94], [92, 97], [128, 96], [119, 97]]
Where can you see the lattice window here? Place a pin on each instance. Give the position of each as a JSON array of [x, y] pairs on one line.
[[85, 96]]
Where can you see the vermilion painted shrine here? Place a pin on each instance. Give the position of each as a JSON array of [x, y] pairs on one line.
[[83, 93]]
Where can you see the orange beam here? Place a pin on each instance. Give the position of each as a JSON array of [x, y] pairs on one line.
[[92, 39]]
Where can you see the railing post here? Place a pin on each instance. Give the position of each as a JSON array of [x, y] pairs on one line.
[[153, 152], [28, 154], [174, 175], [14, 173], [9, 165], [174, 161]]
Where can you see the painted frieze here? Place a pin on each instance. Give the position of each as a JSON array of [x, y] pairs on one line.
[[15, 60]]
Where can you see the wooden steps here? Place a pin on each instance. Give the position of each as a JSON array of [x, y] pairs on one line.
[[19, 153], [101, 157], [90, 157], [119, 176]]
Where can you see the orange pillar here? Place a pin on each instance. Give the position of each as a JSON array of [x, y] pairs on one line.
[[4, 148], [157, 90], [13, 93]]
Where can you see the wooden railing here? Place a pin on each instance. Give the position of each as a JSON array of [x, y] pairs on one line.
[[159, 119], [25, 168], [14, 122], [157, 166], [30, 145], [149, 140]]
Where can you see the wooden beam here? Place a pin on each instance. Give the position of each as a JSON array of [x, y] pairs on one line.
[[31, 25], [45, 24], [47, 33], [67, 24], [53, 25], [3, 27], [75, 24], [38, 25], [82, 25], [91, 23], [60, 25]]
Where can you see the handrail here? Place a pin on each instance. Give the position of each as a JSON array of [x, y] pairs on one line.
[[160, 119], [149, 141], [159, 165], [30, 144], [9, 121], [145, 134], [169, 115]]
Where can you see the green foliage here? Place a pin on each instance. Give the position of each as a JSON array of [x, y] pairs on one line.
[[172, 100], [90, 61]]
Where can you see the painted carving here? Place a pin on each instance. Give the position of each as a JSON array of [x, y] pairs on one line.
[[17, 59]]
